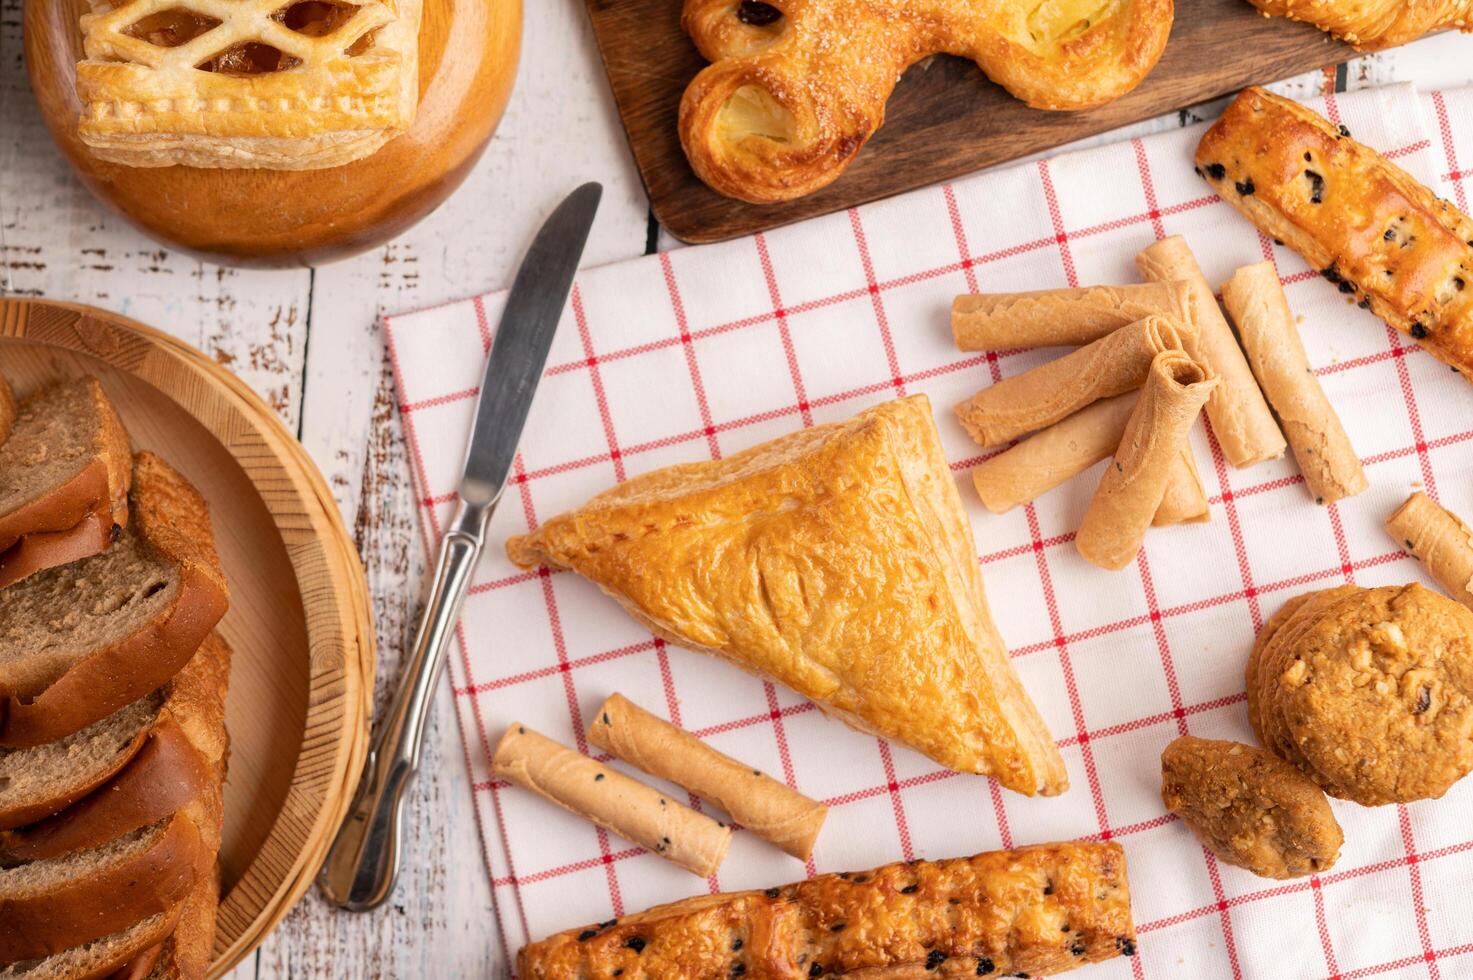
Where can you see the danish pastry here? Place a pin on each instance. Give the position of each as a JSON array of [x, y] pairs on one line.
[[796, 87], [1370, 228], [1370, 25], [837, 560], [247, 83]]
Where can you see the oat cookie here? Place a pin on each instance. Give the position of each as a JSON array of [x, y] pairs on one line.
[[1371, 694], [1251, 809]]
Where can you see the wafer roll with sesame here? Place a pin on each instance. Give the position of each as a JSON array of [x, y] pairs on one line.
[[1255, 300], [1067, 448], [1060, 317], [1118, 362], [1244, 426], [612, 800], [1135, 481], [1438, 539], [772, 810]]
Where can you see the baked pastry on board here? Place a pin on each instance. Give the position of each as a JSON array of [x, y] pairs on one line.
[[247, 83], [837, 560], [1034, 911], [796, 87], [1371, 25], [1367, 225]]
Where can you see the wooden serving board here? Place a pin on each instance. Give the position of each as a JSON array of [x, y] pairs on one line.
[[944, 119], [301, 677]]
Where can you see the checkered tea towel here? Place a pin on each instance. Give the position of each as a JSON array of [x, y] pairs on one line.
[[701, 352]]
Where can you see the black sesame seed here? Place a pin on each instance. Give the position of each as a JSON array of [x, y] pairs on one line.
[[116, 532], [738, 969], [605, 925], [1197, 171], [1216, 171], [586, 935], [985, 966], [1244, 187], [635, 943], [606, 719], [954, 901], [1048, 889], [1126, 945], [860, 879], [1408, 543], [1331, 273], [1346, 286], [771, 893], [1279, 242], [1424, 701], [1419, 331], [1365, 303], [838, 927], [1389, 236], [619, 972], [1307, 156], [816, 970], [756, 772], [757, 14], [521, 730], [598, 778], [1316, 187], [1077, 949], [1458, 283], [736, 944], [934, 959], [1064, 927], [1344, 131], [910, 889]]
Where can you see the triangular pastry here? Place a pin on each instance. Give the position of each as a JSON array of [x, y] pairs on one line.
[[836, 560], [273, 84]]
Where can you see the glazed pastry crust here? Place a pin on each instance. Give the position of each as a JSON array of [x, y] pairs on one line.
[[1384, 238], [146, 105], [837, 560], [1037, 910], [1371, 25], [785, 106]]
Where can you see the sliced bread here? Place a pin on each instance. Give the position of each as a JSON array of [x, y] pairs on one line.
[[64, 475], [99, 958], [47, 907], [38, 781], [81, 641]]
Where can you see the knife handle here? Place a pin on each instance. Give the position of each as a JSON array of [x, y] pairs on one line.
[[364, 859]]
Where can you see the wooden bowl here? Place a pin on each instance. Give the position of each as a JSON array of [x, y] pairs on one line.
[[467, 61], [302, 676]]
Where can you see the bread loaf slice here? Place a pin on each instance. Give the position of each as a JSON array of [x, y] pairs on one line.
[[99, 958], [80, 641], [64, 475], [47, 907]]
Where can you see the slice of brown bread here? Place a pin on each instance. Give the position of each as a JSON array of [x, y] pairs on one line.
[[81, 641], [97, 959], [64, 476], [47, 907], [38, 781]]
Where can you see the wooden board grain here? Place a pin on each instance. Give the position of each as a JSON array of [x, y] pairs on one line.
[[945, 118], [301, 675]]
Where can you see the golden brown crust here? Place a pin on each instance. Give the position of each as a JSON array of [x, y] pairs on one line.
[[837, 560], [1439, 539], [1368, 225], [789, 101], [1251, 809], [1038, 910], [1371, 25], [7, 409], [110, 898], [173, 518], [338, 92]]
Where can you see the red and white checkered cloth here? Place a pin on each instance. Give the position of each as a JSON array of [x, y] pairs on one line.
[[700, 352]]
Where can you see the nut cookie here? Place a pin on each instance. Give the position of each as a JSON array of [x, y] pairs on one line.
[[1251, 809]]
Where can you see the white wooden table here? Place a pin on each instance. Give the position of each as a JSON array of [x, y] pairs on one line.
[[307, 341]]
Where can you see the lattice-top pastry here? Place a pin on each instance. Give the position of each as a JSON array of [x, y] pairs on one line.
[[796, 87], [272, 84]]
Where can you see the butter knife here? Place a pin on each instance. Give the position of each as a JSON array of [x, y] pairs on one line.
[[364, 859]]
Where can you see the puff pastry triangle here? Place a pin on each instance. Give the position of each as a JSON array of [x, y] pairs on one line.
[[836, 560]]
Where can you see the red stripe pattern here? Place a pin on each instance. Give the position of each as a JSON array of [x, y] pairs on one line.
[[697, 353]]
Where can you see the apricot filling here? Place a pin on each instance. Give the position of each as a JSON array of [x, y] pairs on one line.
[[170, 28]]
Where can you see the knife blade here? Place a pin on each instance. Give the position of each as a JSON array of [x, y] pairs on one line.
[[363, 862]]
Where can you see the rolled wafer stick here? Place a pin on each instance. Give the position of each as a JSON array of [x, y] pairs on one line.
[[1240, 417], [1035, 399], [1060, 317], [770, 809], [1068, 448], [1135, 481], [611, 799], [1255, 300], [1438, 539]]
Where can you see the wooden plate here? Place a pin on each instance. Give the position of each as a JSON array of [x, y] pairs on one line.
[[945, 118], [467, 61], [302, 677]]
